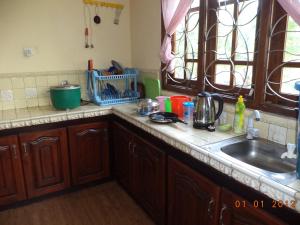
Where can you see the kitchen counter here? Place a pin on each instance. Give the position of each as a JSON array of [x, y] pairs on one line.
[[183, 137], [197, 144]]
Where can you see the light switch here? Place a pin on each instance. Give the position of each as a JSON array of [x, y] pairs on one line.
[[30, 92]]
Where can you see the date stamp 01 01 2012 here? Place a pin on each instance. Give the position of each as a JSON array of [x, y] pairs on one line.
[[262, 204]]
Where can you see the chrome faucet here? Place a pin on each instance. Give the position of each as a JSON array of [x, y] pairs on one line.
[[251, 131]]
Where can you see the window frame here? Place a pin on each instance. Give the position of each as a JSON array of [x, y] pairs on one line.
[[259, 100]]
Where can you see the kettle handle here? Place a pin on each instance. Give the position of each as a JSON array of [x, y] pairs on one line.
[[220, 102]]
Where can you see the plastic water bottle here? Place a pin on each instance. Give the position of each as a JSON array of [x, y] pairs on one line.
[[188, 110]]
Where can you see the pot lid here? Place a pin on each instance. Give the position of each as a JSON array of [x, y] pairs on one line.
[[65, 86]]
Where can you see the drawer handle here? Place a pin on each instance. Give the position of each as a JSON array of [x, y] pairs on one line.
[[14, 150], [129, 145], [222, 214], [133, 148], [210, 209], [25, 150]]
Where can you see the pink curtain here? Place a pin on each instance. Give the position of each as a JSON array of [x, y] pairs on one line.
[[292, 7], [173, 12]]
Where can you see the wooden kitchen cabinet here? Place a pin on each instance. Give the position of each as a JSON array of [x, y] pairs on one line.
[[12, 187], [149, 177], [122, 142], [89, 152], [141, 168], [236, 211], [192, 198], [45, 161]]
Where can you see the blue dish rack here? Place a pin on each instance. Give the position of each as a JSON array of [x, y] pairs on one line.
[[112, 89]]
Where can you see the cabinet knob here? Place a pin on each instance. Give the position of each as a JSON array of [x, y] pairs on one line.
[[224, 208]]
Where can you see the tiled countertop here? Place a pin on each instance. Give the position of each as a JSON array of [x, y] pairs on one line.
[[180, 136], [15, 118]]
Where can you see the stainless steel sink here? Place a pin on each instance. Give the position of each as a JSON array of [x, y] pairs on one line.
[[259, 155], [262, 154]]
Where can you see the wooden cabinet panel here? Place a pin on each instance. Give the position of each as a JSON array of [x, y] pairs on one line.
[[192, 199], [12, 187], [141, 168], [45, 161], [122, 142], [149, 177], [245, 213], [89, 152]]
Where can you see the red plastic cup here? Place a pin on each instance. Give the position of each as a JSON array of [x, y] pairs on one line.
[[177, 104]]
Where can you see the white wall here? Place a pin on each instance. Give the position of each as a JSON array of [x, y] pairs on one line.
[[55, 30], [146, 34]]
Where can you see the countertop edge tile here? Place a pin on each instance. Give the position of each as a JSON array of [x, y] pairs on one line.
[[276, 191]]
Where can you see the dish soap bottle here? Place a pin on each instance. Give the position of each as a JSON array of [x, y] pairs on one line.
[[238, 124]]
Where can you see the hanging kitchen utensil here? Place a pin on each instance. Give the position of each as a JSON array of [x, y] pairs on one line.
[[86, 29], [97, 19], [86, 36], [91, 28], [117, 16]]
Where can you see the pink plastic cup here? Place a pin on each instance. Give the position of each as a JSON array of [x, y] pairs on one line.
[[161, 100]]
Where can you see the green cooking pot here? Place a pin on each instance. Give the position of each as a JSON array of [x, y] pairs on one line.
[[66, 96]]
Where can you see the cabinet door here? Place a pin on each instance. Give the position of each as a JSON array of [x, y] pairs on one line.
[[89, 152], [192, 199], [45, 160], [236, 211], [12, 187], [149, 177], [122, 142]]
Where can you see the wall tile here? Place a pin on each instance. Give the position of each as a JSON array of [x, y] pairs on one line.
[[8, 105], [19, 94], [41, 81], [291, 136], [52, 80], [43, 92], [32, 102], [30, 82], [263, 128], [19, 104], [17, 82], [277, 134], [43, 101], [5, 84]]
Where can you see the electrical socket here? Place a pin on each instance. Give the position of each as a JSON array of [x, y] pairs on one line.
[[7, 95]]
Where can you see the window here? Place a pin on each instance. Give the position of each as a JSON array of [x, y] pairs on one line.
[[235, 47]]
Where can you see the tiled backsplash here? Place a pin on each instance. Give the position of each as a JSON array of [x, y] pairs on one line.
[[32, 89], [273, 127]]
